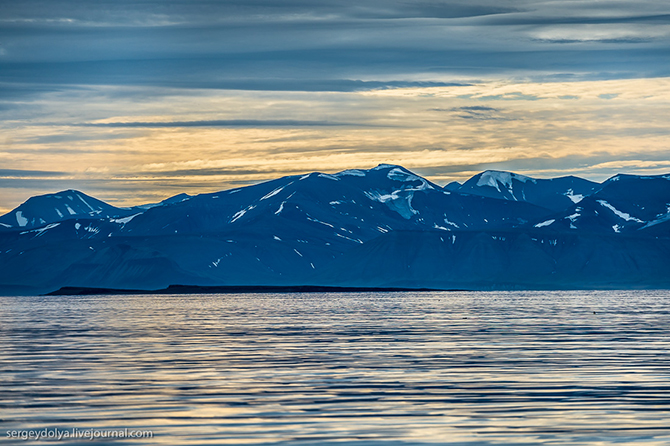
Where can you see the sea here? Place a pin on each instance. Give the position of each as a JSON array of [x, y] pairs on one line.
[[354, 369]]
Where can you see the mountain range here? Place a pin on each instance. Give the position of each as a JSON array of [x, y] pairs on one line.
[[382, 227]]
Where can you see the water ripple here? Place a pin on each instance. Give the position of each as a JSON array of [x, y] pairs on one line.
[[476, 369]]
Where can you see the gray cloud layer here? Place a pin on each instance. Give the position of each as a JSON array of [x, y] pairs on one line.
[[19, 173], [325, 45], [221, 123]]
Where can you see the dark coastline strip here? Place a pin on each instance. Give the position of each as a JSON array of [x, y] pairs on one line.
[[232, 289]]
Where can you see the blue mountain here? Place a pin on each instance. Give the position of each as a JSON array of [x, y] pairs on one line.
[[555, 193], [624, 204], [503, 260], [379, 227], [70, 204], [45, 209]]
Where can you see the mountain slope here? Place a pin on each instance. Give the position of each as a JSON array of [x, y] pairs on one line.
[[503, 260]]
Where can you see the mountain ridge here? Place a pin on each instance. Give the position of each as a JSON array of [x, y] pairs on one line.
[[507, 231]]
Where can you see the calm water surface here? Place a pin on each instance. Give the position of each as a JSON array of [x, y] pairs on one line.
[[346, 369]]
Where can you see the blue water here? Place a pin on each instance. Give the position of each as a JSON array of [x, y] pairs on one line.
[[558, 368]]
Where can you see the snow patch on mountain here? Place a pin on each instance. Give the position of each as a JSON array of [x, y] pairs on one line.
[[124, 220], [378, 196], [574, 218], [329, 176], [351, 172], [41, 231], [545, 223], [446, 220], [400, 204], [619, 213], [575, 198], [240, 213], [660, 218], [319, 221], [397, 174], [384, 166], [20, 219], [86, 204], [275, 192], [93, 229], [494, 178], [348, 238]]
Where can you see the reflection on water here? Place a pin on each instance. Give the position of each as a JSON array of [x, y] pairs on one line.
[[577, 368]]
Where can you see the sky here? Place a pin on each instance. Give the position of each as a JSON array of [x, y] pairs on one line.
[[136, 101]]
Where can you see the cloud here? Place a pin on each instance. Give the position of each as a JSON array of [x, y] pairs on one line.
[[326, 46], [20, 174], [477, 108], [219, 123], [129, 13], [608, 95], [233, 92], [59, 138], [478, 113]]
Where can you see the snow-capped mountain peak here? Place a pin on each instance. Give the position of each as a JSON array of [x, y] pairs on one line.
[[50, 208], [496, 178], [555, 194]]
